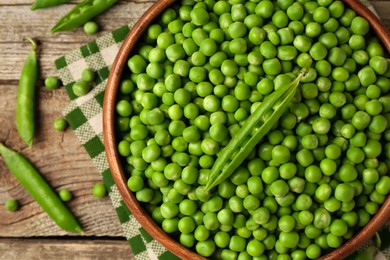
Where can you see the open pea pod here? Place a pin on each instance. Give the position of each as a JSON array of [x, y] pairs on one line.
[[82, 13], [254, 129], [38, 4]]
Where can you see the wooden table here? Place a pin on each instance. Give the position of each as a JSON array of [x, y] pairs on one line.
[[29, 233]]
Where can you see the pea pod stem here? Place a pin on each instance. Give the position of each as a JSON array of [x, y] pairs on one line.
[[25, 107], [378, 240], [82, 13], [38, 4], [245, 140], [39, 189]]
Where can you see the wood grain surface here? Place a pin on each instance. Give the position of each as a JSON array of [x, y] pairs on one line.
[[61, 249], [29, 233]]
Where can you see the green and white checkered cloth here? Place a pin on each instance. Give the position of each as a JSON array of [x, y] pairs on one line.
[[84, 115]]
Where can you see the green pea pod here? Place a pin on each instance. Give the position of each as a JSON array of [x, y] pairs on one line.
[[38, 4], [82, 13], [25, 107], [254, 129], [40, 190]]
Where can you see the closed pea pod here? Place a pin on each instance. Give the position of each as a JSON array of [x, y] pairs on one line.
[[25, 108], [40, 190]]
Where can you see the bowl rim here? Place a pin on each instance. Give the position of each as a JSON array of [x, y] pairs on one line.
[[376, 222]]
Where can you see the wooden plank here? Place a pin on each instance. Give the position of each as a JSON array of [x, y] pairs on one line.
[[16, 249], [19, 22], [64, 163], [382, 8]]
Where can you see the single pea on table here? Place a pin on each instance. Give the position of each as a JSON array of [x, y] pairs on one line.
[[11, 205]]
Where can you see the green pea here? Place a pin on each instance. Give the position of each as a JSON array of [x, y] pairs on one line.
[[295, 11], [52, 83], [265, 9], [286, 52], [297, 27], [11, 205], [313, 29], [304, 157], [170, 225], [268, 50], [272, 66], [378, 124], [60, 124], [65, 195], [80, 88], [280, 19], [360, 26], [91, 27], [302, 43], [344, 192], [99, 190], [261, 215], [367, 76], [313, 173], [318, 51], [279, 188], [382, 187]]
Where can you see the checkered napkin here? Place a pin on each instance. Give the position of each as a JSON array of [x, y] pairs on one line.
[[84, 115]]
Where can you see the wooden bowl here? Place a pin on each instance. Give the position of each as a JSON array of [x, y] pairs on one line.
[[377, 221]]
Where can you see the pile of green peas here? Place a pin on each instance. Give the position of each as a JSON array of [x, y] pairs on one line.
[[316, 178]]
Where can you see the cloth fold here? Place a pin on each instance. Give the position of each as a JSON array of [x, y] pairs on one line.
[[84, 115]]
